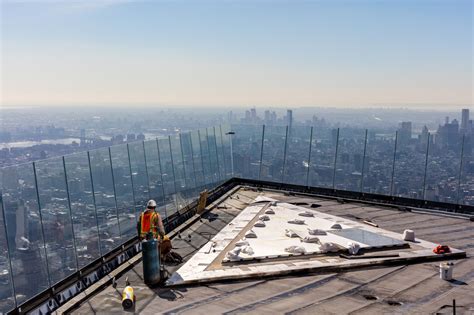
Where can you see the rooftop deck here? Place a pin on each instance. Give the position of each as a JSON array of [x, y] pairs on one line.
[[397, 288]]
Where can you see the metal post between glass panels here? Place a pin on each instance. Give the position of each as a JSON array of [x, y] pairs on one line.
[[209, 155], [93, 199], [284, 155], [192, 157], [223, 152], [115, 192], [174, 175], [12, 281], [460, 168], [217, 155], [182, 159], [146, 171], [393, 164], [41, 222], [70, 214], [335, 160], [426, 165], [309, 156], [261, 153], [363, 162], [202, 158], [161, 177]]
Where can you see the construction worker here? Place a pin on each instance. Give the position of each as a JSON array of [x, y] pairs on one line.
[[150, 221]]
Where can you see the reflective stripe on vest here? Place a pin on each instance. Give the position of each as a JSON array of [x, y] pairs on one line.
[[147, 221]]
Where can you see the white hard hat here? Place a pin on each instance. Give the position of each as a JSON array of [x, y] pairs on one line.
[[151, 204]]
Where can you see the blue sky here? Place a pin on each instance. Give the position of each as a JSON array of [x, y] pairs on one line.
[[275, 53]]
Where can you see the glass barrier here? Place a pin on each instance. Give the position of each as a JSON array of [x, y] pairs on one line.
[[225, 145], [378, 163], [273, 156], [167, 171], [213, 155], [84, 216], [246, 150], [349, 161], [205, 156], [56, 219], [155, 177], [197, 158], [297, 156], [103, 186], [188, 164], [129, 203], [410, 167], [322, 157], [442, 175], [24, 231]]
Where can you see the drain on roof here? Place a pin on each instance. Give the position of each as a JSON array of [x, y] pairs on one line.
[[370, 297], [394, 303]]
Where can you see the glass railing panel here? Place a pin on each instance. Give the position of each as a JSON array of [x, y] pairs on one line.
[[154, 175], [190, 179], [350, 155], [124, 192], [273, 153], [56, 218], [442, 177], [179, 171], [379, 163], [466, 187], [139, 174], [83, 210], [109, 228], [168, 175], [219, 153], [323, 151], [24, 231], [213, 155], [7, 299], [409, 167], [246, 147], [205, 155], [225, 138], [197, 159], [297, 155]]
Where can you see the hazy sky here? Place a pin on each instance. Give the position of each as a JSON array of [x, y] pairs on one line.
[[270, 53]]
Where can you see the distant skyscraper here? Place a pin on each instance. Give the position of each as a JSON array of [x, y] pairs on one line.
[[83, 137], [404, 133], [465, 120], [253, 115]]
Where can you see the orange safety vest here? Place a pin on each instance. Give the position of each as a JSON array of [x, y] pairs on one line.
[[149, 222]]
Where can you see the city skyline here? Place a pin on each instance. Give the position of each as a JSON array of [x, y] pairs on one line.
[[339, 53]]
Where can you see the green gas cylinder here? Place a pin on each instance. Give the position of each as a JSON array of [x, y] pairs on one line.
[[151, 261]]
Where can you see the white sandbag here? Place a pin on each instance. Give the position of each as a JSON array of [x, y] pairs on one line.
[[264, 217], [328, 247], [269, 211], [250, 234], [248, 250], [336, 226], [295, 250], [259, 224], [296, 221], [234, 254], [306, 214], [353, 248], [311, 239], [316, 232], [242, 243], [290, 233]]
